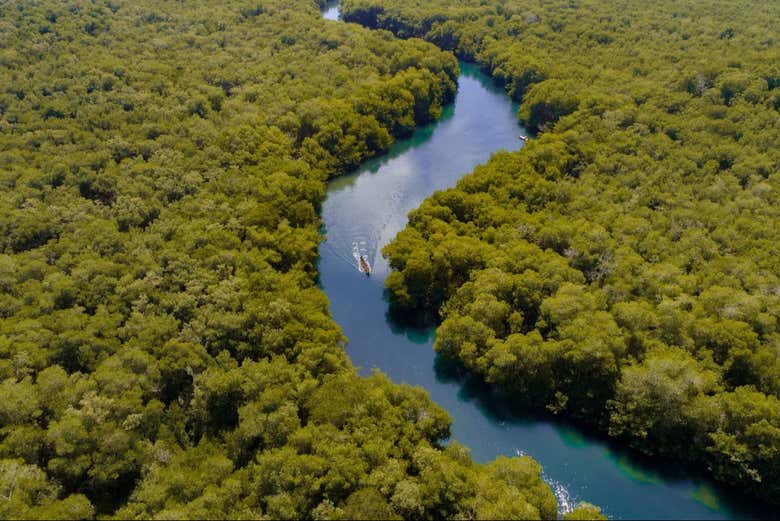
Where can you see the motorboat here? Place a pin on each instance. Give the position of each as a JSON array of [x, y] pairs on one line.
[[363, 265]]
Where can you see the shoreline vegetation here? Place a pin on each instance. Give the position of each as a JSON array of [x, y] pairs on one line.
[[164, 350], [621, 269]]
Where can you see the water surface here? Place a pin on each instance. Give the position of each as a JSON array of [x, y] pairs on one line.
[[364, 211], [331, 10]]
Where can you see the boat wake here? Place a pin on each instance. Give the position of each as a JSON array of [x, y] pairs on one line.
[[350, 248], [361, 256], [566, 502]]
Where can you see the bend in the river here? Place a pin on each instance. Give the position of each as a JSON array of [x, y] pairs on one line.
[[363, 212]]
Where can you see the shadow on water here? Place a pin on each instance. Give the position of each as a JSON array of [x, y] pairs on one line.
[[500, 407], [399, 148], [417, 328], [402, 146], [474, 71], [482, 76], [585, 465]]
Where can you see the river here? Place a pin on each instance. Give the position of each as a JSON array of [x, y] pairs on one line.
[[364, 210]]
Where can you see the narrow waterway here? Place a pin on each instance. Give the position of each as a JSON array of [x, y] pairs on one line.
[[364, 211], [331, 10]]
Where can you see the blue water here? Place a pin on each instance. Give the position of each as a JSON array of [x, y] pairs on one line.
[[364, 211]]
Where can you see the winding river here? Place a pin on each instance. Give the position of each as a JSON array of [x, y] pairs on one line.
[[363, 212]]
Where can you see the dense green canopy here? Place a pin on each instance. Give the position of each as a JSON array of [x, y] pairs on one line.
[[624, 268], [164, 350]]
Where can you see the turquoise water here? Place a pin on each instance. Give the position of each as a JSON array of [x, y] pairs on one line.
[[364, 211]]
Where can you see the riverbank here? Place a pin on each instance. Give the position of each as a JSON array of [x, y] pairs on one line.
[[365, 210]]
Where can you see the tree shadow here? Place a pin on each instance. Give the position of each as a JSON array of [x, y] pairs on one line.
[[501, 407], [418, 327], [400, 147]]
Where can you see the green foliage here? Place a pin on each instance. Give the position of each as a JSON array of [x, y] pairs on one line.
[[164, 349], [584, 511], [28, 494], [623, 267]]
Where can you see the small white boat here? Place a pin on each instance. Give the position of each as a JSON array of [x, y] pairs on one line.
[[364, 266], [523, 139]]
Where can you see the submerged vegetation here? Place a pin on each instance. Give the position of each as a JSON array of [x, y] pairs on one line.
[[164, 350], [623, 268]]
